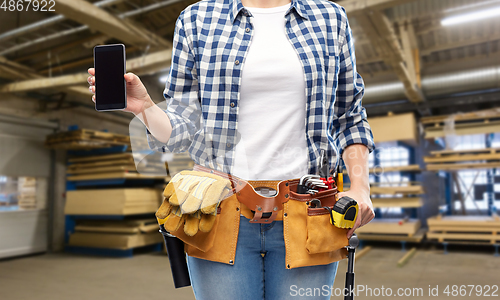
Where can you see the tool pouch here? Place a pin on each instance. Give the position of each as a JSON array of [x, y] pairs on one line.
[[322, 236], [220, 243], [310, 239]]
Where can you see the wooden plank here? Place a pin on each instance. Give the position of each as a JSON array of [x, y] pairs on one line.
[[409, 168], [464, 221], [477, 115], [392, 190], [463, 166], [456, 229], [362, 252], [379, 30], [113, 175], [90, 165], [36, 84], [136, 226], [464, 129], [404, 202], [102, 170], [101, 157], [491, 238], [416, 238], [141, 65], [463, 157], [384, 130], [466, 151], [100, 20], [390, 226], [406, 258]]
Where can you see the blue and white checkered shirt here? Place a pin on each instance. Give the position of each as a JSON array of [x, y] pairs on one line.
[[211, 40]]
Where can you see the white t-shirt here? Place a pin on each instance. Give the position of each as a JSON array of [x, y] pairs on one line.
[[272, 107]]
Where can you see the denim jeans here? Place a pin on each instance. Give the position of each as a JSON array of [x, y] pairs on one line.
[[259, 270]]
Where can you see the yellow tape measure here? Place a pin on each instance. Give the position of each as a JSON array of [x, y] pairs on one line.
[[344, 213]]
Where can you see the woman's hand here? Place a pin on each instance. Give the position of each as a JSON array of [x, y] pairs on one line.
[[138, 98], [365, 212], [356, 160]]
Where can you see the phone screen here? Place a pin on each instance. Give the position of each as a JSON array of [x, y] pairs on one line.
[[110, 86]]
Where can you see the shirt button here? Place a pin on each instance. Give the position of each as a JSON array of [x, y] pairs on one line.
[[228, 145], [237, 62], [232, 104], [247, 30]]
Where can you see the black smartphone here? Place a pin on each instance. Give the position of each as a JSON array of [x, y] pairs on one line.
[[110, 85]]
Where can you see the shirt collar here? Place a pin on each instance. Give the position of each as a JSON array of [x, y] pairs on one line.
[[235, 7]]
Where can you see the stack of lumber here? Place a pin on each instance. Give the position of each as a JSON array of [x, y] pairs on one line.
[[116, 234], [463, 159], [125, 201], [464, 229], [120, 165], [392, 230], [26, 196], [85, 139], [179, 162], [479, 122], [405, 195]]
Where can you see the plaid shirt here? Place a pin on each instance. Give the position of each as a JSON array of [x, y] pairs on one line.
[[211, 40]]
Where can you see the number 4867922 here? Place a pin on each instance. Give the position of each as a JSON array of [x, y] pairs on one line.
[[25, 5]]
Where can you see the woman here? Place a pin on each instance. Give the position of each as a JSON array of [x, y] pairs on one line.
[[260, 89]]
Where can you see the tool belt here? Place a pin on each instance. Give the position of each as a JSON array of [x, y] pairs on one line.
[[309, 237], [266, 209]]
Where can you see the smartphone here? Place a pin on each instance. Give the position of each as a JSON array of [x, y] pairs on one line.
[[110, 85]]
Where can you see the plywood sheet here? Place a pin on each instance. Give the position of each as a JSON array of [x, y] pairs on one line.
[[393, 190], [403, 202], [112, 201], [384, 129], [391, 226]]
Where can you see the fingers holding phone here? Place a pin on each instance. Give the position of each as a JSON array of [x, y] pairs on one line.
[[91, 82], [135, 97]]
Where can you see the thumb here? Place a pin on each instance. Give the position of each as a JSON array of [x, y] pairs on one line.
[[131, 78]]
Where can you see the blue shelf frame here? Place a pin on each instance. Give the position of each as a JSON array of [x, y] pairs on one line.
[[490, 180]]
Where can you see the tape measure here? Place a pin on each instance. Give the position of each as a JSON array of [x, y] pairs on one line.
[[344, 213]]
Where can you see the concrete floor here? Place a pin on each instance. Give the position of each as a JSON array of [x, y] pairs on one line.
[[147, 276]]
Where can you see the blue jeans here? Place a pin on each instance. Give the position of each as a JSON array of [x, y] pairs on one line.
[[259, 270]]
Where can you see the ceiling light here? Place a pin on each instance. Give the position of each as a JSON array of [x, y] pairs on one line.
[[470, 17]]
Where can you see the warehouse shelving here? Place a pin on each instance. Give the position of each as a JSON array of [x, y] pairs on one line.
[[99, 174], [478, 228]]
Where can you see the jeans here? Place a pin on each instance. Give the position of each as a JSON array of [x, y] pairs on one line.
[[259, 270]]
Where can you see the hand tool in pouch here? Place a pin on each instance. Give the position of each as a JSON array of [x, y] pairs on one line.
[[349, 275], [191, 203], [177, 258]]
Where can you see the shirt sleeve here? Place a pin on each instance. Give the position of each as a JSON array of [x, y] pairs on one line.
[[181, 95], [349, 121]]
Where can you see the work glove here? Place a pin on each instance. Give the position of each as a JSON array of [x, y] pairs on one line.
[[191, 199]]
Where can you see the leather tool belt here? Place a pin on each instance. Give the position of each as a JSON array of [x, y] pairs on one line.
[[266, 209]]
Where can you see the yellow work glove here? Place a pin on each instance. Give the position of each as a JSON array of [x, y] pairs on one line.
[[192, 198]]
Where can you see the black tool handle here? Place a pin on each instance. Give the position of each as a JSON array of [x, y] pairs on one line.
[[349, 286], [177, 258], [349, 275]]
